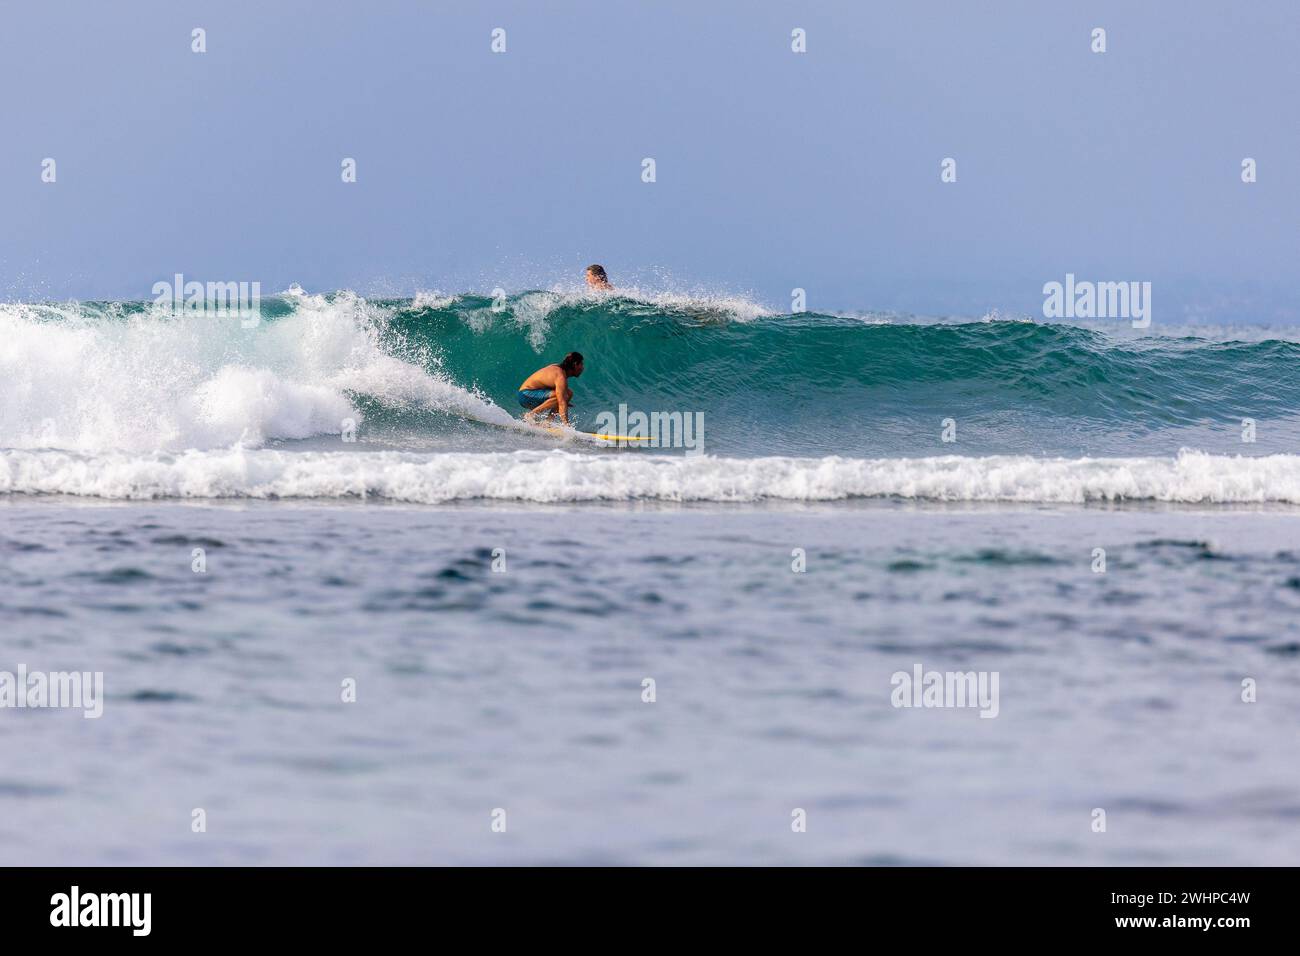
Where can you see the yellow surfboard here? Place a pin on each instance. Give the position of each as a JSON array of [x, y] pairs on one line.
[[617, 437]]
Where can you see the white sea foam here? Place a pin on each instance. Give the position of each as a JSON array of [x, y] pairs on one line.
[[560, 476], [84, 380]]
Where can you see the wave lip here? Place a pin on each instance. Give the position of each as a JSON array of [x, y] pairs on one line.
[[558, 476]]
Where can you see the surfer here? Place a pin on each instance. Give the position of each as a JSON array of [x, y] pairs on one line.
[[547, 390], [597, 279]]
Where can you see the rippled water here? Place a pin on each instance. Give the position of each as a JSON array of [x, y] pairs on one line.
[[480, 689]]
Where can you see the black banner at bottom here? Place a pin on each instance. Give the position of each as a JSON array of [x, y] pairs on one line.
[[333, 906]]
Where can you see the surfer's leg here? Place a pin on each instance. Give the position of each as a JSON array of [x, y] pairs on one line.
[[552, 404], [537, 411]]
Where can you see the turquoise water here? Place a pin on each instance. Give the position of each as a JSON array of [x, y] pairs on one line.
[[812, 384]]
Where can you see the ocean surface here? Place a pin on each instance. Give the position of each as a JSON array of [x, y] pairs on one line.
[[233, 523]]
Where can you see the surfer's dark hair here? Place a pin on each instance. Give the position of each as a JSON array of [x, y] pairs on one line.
[[597, 270], [571, 362]]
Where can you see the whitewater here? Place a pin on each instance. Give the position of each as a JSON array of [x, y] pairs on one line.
[[1189, 478]]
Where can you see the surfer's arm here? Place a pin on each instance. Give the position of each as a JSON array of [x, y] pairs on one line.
[[561, 395]]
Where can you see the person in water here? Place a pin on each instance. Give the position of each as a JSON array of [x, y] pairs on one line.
[[597, 279], [547, 390]]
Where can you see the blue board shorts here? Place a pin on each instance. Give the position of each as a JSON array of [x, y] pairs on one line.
[[532, 397]]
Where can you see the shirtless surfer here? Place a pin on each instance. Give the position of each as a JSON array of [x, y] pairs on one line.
[[547, 390]]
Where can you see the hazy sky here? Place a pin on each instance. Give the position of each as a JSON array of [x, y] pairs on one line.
[[774, 169]]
